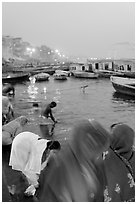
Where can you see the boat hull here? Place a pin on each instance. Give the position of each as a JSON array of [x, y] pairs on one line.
[[124, 90], [108, 74], [42, 79], [86, 75], [127, 88], [60, 78], [15, 79]]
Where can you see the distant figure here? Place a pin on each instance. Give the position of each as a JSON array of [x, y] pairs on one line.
[[83, 88], [30, 154], [119, 163], [47, 111], [8, 90], [35, 104], [12, 129], [7, 110], [36, 108]]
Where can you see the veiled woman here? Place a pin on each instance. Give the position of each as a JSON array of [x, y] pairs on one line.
[[7, 110], [76, 174], [27, 156], [119, 163], [13, 128]]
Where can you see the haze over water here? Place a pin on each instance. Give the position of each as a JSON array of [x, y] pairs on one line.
[[91, 29]]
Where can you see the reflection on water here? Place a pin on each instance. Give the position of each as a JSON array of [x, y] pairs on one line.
[[57, 96], [32, 88], [124, 98], [44, 89], [98, 101]]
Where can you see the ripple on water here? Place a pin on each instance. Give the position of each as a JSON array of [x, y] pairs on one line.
[[99, 101]]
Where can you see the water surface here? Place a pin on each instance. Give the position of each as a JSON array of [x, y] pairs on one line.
[[98, 101]]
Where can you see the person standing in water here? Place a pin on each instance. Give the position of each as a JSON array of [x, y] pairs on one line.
[[47, 111], [47, 129]]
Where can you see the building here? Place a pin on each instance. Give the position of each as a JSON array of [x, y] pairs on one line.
[[125, 65]]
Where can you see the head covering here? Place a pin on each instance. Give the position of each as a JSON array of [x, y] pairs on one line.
[[119, 165], [89, 139], [22, 120], [122, 140], [82, 179]]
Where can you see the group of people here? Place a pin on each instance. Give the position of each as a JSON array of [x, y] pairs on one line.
[[28, 153], [94, 165]]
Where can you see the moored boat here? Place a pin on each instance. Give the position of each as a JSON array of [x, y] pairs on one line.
[[60, 76], [84, 74], [123, 85], [14, 78], [108, 73], [41, 77], [63, 72]]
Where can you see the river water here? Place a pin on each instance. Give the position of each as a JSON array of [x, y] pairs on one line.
[[98, 101]]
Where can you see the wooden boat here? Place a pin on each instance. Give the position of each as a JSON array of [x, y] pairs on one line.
[[123, 85], [108, 73], [59, 71], [14, 78], [60, 76], [129, 74], [41, 77], [83, 74]]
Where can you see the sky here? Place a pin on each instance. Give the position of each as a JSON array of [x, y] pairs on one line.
[[91, 29]]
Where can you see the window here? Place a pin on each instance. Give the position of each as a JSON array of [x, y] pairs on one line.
[[96, 66], [128, 67], [83, 68], [106, 67]]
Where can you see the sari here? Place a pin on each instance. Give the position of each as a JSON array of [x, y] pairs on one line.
[[119, 163], [7, 110], [12, 129], [76, 173], [26, 153]]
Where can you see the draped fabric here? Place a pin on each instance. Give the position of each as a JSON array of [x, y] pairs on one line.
[[26, 153], [123, 138], [6, 105], [119, 162], [11, 129], [5, 192], [7, 110], [77, 174], [89, 139]]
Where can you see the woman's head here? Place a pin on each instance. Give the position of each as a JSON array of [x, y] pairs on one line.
[[22, 120], [122, 138], [89, 139]]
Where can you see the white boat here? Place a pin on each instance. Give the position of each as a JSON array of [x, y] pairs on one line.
[[42, 77], [62, 71], [123, 85], [60, 75], [83, 74]]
